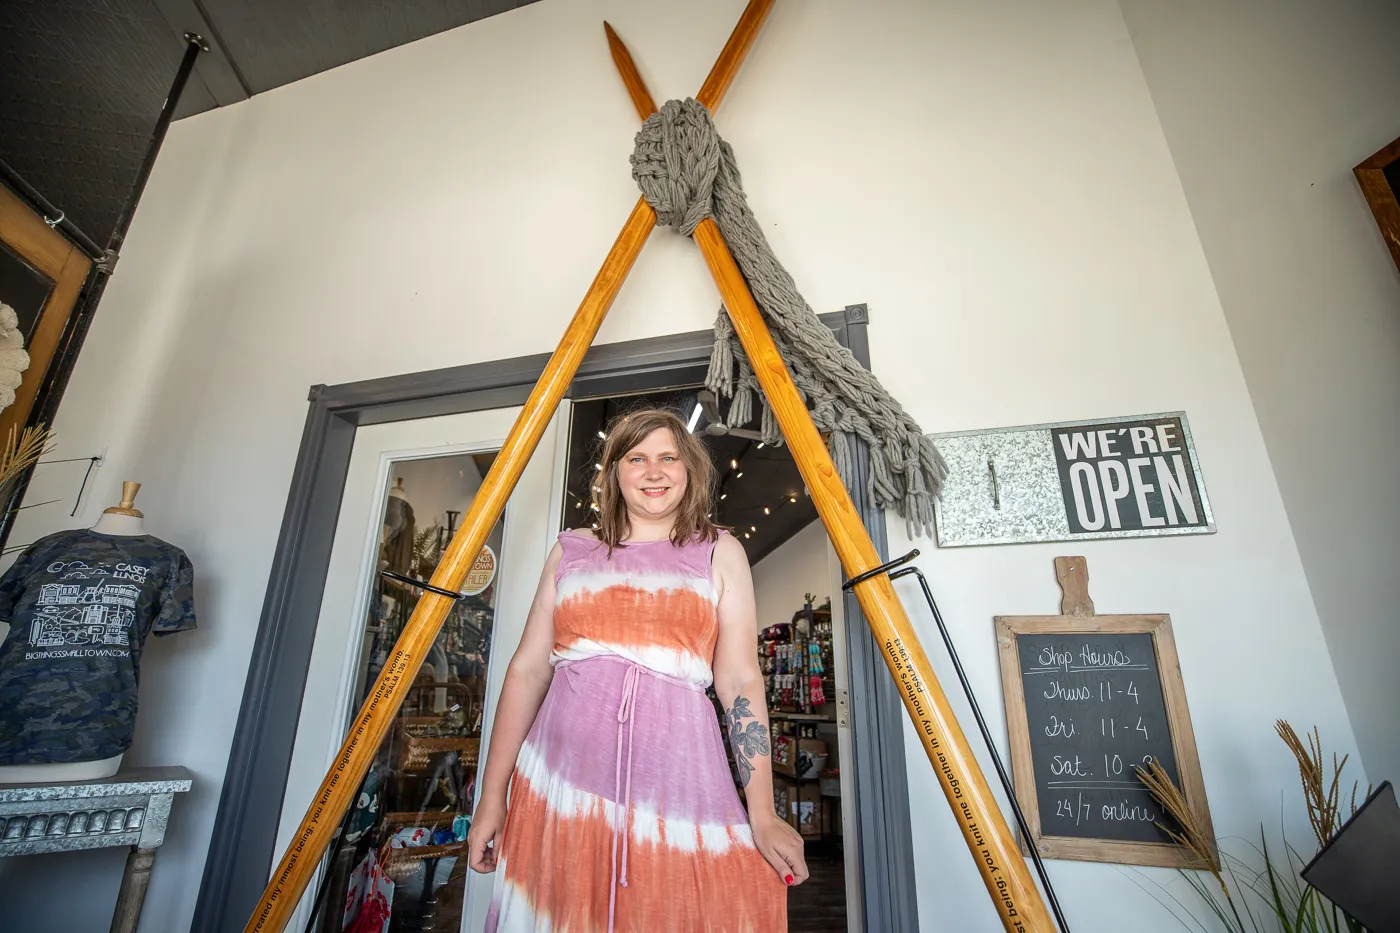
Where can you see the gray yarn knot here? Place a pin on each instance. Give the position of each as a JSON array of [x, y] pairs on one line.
[[687, 173]]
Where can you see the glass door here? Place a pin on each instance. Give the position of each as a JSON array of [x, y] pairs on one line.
[[401, 851]]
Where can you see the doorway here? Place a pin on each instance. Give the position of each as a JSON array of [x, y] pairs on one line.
[[401, 849], [245, 840]]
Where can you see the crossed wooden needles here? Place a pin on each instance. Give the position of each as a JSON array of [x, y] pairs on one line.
[[990, 840]]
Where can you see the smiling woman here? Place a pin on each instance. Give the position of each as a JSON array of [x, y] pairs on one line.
[[658, 478], [622, 811]]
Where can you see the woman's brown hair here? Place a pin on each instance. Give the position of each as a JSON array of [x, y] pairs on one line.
[[693, 516]]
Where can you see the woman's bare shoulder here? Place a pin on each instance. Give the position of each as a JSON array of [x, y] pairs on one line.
[[728, 549]]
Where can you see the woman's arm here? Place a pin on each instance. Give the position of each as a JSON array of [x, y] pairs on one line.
[[739, 683], [527, 682]]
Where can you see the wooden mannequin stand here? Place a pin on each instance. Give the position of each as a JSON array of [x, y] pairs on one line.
[[989, 839]]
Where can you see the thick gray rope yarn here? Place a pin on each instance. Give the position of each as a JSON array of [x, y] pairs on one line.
[[687, 173]]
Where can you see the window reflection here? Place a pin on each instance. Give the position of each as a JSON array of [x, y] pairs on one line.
[[401, 856]]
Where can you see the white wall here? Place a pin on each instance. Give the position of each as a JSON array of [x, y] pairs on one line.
[[1266, 107], [990, 178], [785, 575]]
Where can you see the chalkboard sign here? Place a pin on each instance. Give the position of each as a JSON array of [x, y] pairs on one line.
[[1090, 699]]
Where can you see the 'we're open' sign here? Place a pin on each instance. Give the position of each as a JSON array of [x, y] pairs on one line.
[[1114, 478], [1129, 475]]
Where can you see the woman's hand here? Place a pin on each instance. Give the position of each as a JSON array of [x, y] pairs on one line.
[[484, 838], [781, 845]]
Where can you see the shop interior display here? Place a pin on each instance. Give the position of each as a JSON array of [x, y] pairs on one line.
[[79, 605], [397, 865]]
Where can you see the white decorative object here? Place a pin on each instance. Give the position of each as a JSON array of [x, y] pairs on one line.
[[13, 358]]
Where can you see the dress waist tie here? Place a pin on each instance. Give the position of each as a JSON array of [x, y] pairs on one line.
[[623, 787], [621, 817]]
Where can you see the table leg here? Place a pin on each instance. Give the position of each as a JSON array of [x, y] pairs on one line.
[[132, 895]]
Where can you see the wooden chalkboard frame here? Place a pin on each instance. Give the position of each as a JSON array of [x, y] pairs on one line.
[[1077, 617]]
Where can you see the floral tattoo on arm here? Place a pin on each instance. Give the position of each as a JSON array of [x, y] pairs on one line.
[[748, 739]]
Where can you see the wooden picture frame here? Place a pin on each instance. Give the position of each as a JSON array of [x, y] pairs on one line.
[[25, 234], [1077, 619], [1379, 177]]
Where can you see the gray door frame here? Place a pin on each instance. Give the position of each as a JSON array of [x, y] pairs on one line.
[[241, 849]]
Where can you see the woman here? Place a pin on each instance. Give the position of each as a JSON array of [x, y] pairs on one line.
[[623, 814]]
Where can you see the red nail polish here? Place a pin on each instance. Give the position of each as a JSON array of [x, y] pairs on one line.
[[787, 879]]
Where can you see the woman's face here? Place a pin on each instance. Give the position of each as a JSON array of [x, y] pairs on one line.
[[652, 476]]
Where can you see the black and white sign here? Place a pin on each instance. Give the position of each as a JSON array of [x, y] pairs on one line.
[[1127, 476]]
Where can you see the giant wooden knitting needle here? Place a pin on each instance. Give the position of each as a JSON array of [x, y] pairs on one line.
[[990, 839], [298, 863]]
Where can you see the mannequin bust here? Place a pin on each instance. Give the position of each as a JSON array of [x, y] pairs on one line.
[[122, 519]]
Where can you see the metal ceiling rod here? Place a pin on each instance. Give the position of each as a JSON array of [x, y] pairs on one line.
[[52, 215], [75, 331], [195, 45]]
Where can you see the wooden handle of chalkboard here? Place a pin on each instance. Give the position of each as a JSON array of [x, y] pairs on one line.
[[1073, 574]]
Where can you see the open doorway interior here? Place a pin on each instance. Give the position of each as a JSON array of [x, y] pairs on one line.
[[400, 850], [763, 501]]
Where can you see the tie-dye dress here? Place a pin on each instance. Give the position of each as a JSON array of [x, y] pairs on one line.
[[623, 815]]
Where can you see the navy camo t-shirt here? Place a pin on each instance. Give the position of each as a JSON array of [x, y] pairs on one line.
[[80, 605]]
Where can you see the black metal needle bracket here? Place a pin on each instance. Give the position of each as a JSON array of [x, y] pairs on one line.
[[422, 585], [896, 568]]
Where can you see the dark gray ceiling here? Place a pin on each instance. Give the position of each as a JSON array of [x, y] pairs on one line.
[[82, 81]]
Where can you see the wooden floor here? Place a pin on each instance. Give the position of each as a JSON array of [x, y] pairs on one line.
[[819, 906]]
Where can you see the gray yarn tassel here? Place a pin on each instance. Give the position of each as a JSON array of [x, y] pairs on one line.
[[687, 173]]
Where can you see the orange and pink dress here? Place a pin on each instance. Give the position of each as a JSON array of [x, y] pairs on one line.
[[623, 815]]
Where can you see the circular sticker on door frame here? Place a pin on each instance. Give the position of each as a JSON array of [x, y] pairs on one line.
[[482, 573]]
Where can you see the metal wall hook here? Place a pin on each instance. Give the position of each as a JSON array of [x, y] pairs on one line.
[[1006, 783], [55, 221], [896, 568], [886, 567]]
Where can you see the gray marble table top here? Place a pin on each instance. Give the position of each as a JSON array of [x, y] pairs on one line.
[[130, 808], [169, 780]]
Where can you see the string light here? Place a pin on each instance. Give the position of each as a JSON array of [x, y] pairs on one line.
[[767, 510], [746, 534], [738, 475], [753, 528], [733, 464], [724, 495], [760, 445], [597, 466], [603, 435], [792, 499]]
